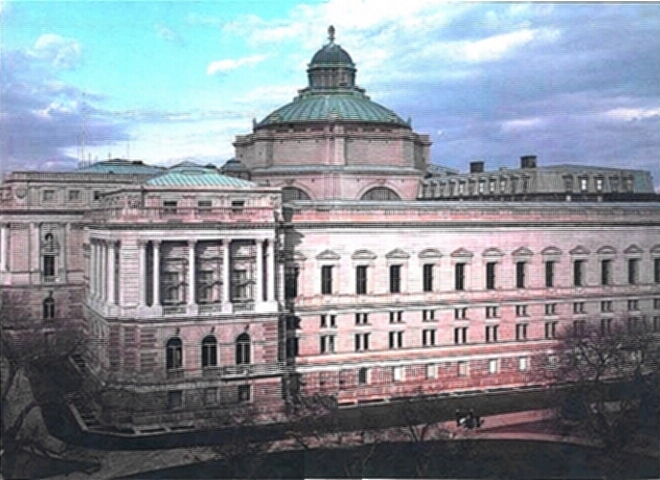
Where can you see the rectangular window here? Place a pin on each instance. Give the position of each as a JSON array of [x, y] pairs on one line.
[[605, 326], [398, 374], [493, 366], [361, 280], [74, 195], [96, 195], [49, 266], [459, 276], [578, 307], [523, 364], [361, 318], [614, 184], [633, 324], [549, 273], [491, 333], [550, 308], [633, 271], [521, 310], [521, 331], [656, 270], [492, 312], [551, 329], [490, 275], [395, 278], [460, 335], [520, 274], [428, 315], [204, 205], [633, 305], [328, 321], [326, 280], [210, 396], [237, 205], [169, 206], [396, 340], [578, 273], [656, 303], [291, 282], [462, 369], [48, 195], [396, 317], [428, 338], [361, 342], [327, 344], [174, 399], [431, 370], [606, 306], [244, 393], [656, 324], [584, 184], [460, 313], [428, 277], [578, 327], [606, 272]]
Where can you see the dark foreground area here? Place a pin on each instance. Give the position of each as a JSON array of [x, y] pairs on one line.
[[439, 459]]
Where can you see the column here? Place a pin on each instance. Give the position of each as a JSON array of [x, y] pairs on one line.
[[35, 251], [270, 272], [142, 272], [191, 272], [64, 228], [225, 270], [259, 280], [104, 271], [91, 273], [3, 247], [97, 279], [110, 277], [156, 275]]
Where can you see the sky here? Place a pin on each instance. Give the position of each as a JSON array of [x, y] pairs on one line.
[[169, 81]]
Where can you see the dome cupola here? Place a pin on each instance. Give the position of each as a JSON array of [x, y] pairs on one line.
[[331, 67]]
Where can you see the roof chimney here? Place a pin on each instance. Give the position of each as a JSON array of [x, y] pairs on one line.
[[476, 167], [528, 161]]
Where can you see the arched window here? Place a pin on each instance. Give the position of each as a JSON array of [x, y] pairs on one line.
[[209, 351], [49, 308], [174, 354], [49, 242], [292, 193], [243, 349], [381, 194]]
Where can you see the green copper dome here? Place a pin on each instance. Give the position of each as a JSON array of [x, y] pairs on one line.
[[348, 106], [332, 94]]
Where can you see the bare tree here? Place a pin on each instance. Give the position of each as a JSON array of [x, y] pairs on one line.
[[605, 378]]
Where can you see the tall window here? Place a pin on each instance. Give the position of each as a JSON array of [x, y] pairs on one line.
[[326, 279], [361, 280], [578, 273], [521, 331], [606, 272], [656, 270], [490, 275], [327, 344], [459, 276], [551, 329], [209, 351], [491, 333], [460, 335], [428, 337], [396, 339], [243, 349], [395, 278], [363, 376], [428, 277], [361, 342], [174, 354], [49, 308], [633, 271], [49, 265], [291, 282], [520, 274], [549, 273]]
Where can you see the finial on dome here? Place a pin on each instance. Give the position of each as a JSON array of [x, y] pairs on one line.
[[331, 34]]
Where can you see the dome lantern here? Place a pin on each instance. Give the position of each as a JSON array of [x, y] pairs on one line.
[[331, 67]]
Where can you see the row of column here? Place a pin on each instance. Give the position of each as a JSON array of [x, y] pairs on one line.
[[102, 269], [192, 280], [4, 245]]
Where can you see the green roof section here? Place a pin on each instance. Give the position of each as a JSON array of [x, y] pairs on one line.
[[345, 106], [120, 166], [188, 174]]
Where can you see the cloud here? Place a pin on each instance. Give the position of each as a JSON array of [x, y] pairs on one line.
[[60, 52], [223, 66], [168, 34]]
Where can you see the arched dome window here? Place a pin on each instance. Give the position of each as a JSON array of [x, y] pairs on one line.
[[174, 350], [381, 194], [243, 349], [209, 351], [292, 193]]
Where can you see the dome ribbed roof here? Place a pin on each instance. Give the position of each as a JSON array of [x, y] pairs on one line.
[[348, 106], [331, 54]]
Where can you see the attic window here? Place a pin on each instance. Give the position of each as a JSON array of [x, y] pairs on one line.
[[237, 205], [192, 172]]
